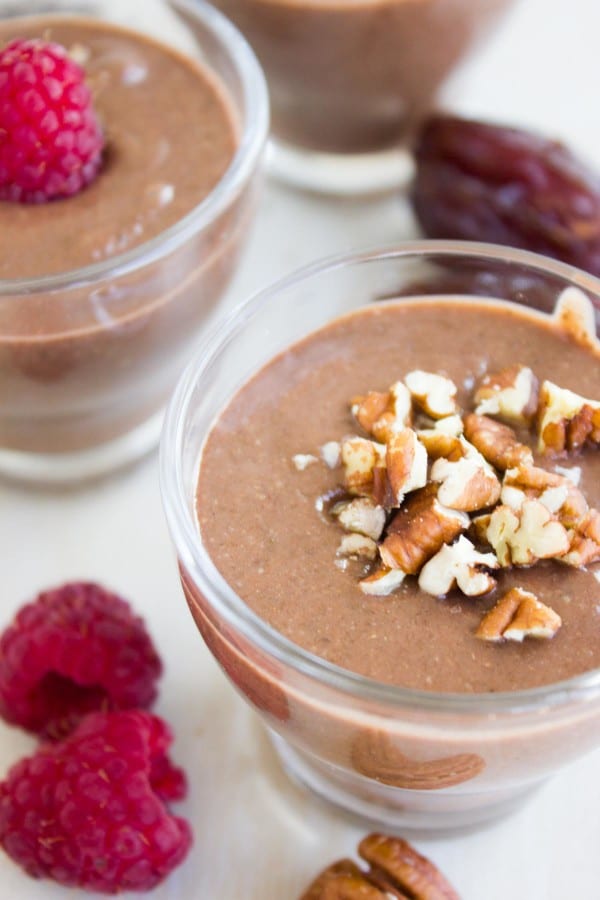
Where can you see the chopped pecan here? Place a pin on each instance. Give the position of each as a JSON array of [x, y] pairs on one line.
[[575, 315], [357, 546], [302, 461], [523, 536], [331, 454], [396, 865], [566, 421], [511, 394], [517, 615], [460, 565], [418, 530], [360, 458], [584, 541], [558, 494], [435, 394], [382, 414], [498, 443], [468, 483], [406, 463], [441, 438], [382, 583], [361, 515]]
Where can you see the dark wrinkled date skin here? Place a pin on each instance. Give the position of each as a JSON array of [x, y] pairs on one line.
[[482, 182]]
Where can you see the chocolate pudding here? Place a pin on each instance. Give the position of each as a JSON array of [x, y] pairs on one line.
[[87, 360], [258, 519], [352, 76]]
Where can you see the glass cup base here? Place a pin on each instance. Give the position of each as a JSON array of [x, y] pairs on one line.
[[339, 174], [60, 469], [385, 807]]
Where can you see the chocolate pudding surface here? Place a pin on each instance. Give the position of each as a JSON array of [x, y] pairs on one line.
[[354, 76], [258, 520], [170, 136]]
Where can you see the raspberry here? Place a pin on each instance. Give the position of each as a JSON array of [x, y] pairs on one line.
[[74, 650], [50, 139], [90, 811]]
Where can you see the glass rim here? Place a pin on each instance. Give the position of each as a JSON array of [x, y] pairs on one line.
[[252, 140], [196, 561]]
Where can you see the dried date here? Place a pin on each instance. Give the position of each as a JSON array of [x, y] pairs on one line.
[[483, 182]]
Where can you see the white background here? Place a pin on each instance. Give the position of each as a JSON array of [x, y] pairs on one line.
[[257, 837]]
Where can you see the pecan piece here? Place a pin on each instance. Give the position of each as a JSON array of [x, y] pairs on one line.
[[496, 442], [357, 546], [362, 516], [360, 458], [382, 583], [584, 542], [383, 414], [418, 530], [435, 394], [468, 483], [566, 421], [575, 315], [517, 615], [406, 463], [556, 492], [461, 565], [395, 864], [443, 438], [522, 537], [511, 394]]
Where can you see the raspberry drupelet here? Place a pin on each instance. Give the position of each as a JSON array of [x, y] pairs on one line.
[[90, 811], [50, 139], [74, 650]]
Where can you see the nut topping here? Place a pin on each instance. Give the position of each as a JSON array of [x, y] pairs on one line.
[[419, 530], [382, 583], [360, 457], [522, 537], [517, 615], [435, 394], [302, 461], [406, 461], [585, 541], [459, 565], [469, 483], [575, 315], [557, 493], [566, 421], [496, 442], [383, 414], [362, 516], [331, 454], [511, 394], [396, 872], [357, 546]]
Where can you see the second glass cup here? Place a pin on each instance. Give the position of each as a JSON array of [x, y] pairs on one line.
[[401, 757]]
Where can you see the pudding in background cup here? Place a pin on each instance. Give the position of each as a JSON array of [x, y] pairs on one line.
[[390, 707], [103, 294], [350, 79]]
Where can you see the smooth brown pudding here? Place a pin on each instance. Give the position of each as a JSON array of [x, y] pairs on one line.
[[258, 519], [349, 76], [84, 364], [170, 134]]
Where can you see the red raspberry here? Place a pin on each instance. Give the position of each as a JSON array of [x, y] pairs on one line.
[[50, 139], [90, 811], [74, 650]]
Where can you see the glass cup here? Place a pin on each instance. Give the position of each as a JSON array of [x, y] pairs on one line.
[[396, 756], [88, 358], [349, 79]]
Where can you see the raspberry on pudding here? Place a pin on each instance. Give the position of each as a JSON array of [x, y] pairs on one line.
[[105, 287]]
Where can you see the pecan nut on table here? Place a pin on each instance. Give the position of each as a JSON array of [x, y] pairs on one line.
[[395, 870]]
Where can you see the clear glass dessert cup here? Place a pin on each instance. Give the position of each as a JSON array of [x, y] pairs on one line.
[[395, 756], [89, 358], [349, 79]]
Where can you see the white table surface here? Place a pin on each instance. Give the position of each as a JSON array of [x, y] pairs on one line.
[[257, 836]]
